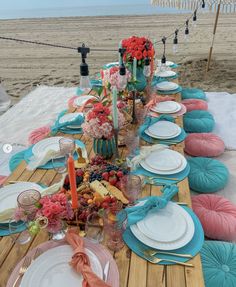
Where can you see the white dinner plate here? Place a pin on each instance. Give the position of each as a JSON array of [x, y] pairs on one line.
[[164, 160], [164, 129], [165, 74], [162, 138], [81, 100], [167, 107], [45, 145], [165, 225], [182, 241], [9, 193], [167, 86], [52, 269]]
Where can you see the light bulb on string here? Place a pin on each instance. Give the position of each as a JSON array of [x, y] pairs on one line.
[[195, 19], [175, 42], [122, 79], [84, 71], [186, 32], [163, 59]]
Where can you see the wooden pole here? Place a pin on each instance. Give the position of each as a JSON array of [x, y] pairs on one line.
[[213, 39]]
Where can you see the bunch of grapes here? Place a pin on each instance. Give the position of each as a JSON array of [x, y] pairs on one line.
[[97, 160]]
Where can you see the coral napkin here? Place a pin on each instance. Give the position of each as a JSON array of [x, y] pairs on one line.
[[80, 261]]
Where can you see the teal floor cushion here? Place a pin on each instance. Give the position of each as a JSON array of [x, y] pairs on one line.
[[207, 175], [198, 121], [193, 93], [219, 264]]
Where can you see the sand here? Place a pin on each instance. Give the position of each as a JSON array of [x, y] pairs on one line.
[[24, 66]]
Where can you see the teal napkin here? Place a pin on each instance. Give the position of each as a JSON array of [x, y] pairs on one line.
[[151, 204], [64, 126]]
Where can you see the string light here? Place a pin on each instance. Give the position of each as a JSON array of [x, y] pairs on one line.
[[195, 19], [175, 42], [163, 59], [186, 32], [147, 67], [122, 80], [84, 71]]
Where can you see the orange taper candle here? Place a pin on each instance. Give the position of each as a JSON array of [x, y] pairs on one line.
[[72, 179]]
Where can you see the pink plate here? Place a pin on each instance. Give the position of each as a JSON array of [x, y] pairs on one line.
[[99, 250], [179, 113]]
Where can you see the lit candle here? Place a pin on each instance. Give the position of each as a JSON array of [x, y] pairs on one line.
[[120, 58], [135, 69], [114, 108], [72, 179]]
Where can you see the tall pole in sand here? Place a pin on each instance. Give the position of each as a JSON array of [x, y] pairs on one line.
[[213, 38]]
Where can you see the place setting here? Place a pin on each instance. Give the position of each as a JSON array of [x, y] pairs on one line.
[[163, 232], [159, 165], [169, 107], [50, 153], [161, 130], [168, 88]]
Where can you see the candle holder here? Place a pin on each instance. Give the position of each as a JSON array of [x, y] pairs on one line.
[[134, 118]]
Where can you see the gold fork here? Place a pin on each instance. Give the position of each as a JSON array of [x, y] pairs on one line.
[[156, 260], [37, 253], [25, 265]]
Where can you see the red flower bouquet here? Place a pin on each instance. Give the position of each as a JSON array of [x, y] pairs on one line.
[[139, 48]]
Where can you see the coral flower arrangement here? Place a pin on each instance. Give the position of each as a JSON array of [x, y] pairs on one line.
[[98, 122], [139, 48]]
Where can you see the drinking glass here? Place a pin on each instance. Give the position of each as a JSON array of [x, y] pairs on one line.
[[67, 146], [27, 200], [131, 186], [132, 141], [114, 226], [141, 113], [94, 227], [18, 232], [60, 164]]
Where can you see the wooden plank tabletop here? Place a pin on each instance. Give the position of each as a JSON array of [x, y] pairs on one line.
[[134, 271]]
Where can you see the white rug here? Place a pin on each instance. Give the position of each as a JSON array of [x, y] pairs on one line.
[[38, 108], [223, 108]]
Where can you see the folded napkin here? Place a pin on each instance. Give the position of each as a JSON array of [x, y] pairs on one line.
[[157, 99], [77, 121], [152, 203], [143, 153], [149, 121], [42, 158], [80, 261]]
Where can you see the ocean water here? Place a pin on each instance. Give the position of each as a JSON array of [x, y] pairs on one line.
[[12, 10]]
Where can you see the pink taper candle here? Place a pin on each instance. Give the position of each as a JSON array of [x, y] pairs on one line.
[[72, 179]]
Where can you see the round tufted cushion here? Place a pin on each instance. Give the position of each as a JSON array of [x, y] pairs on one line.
[[193, 93], [204, 144], [198, 121], [219, 264], [207, 175], [195, 104], [217, 215]]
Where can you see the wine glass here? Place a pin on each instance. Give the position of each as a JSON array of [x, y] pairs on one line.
[[18, 231], [131, 186], [94, 227], [27, 200]]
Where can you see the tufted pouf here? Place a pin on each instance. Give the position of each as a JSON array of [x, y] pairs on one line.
[[204, 144], [195, 104], [217, 215], [193, 93], [198, 121], [219, 264], [207, 175]]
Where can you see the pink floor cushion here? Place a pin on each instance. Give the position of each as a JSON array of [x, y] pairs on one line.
[[204, 144], [217, 215], [195, 104]]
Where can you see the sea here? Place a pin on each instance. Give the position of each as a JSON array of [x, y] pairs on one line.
[[15, 9]]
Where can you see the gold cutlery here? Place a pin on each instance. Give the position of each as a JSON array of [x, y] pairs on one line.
[[181, 203], [37, 253], [23, 269], [156, 260], [152, 252]]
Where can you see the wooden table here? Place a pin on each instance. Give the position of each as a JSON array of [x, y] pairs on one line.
[[134, 271]]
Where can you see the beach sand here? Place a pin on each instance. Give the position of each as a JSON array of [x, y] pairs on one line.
[[24, 66]]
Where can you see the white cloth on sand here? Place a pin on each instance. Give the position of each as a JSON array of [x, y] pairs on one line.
[[39, 108], [223, 108]]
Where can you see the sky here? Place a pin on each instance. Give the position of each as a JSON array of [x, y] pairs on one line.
[[41, 4]]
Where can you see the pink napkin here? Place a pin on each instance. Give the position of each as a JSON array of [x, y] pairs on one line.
[[80, 261], [157, 99], [2, 179]]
